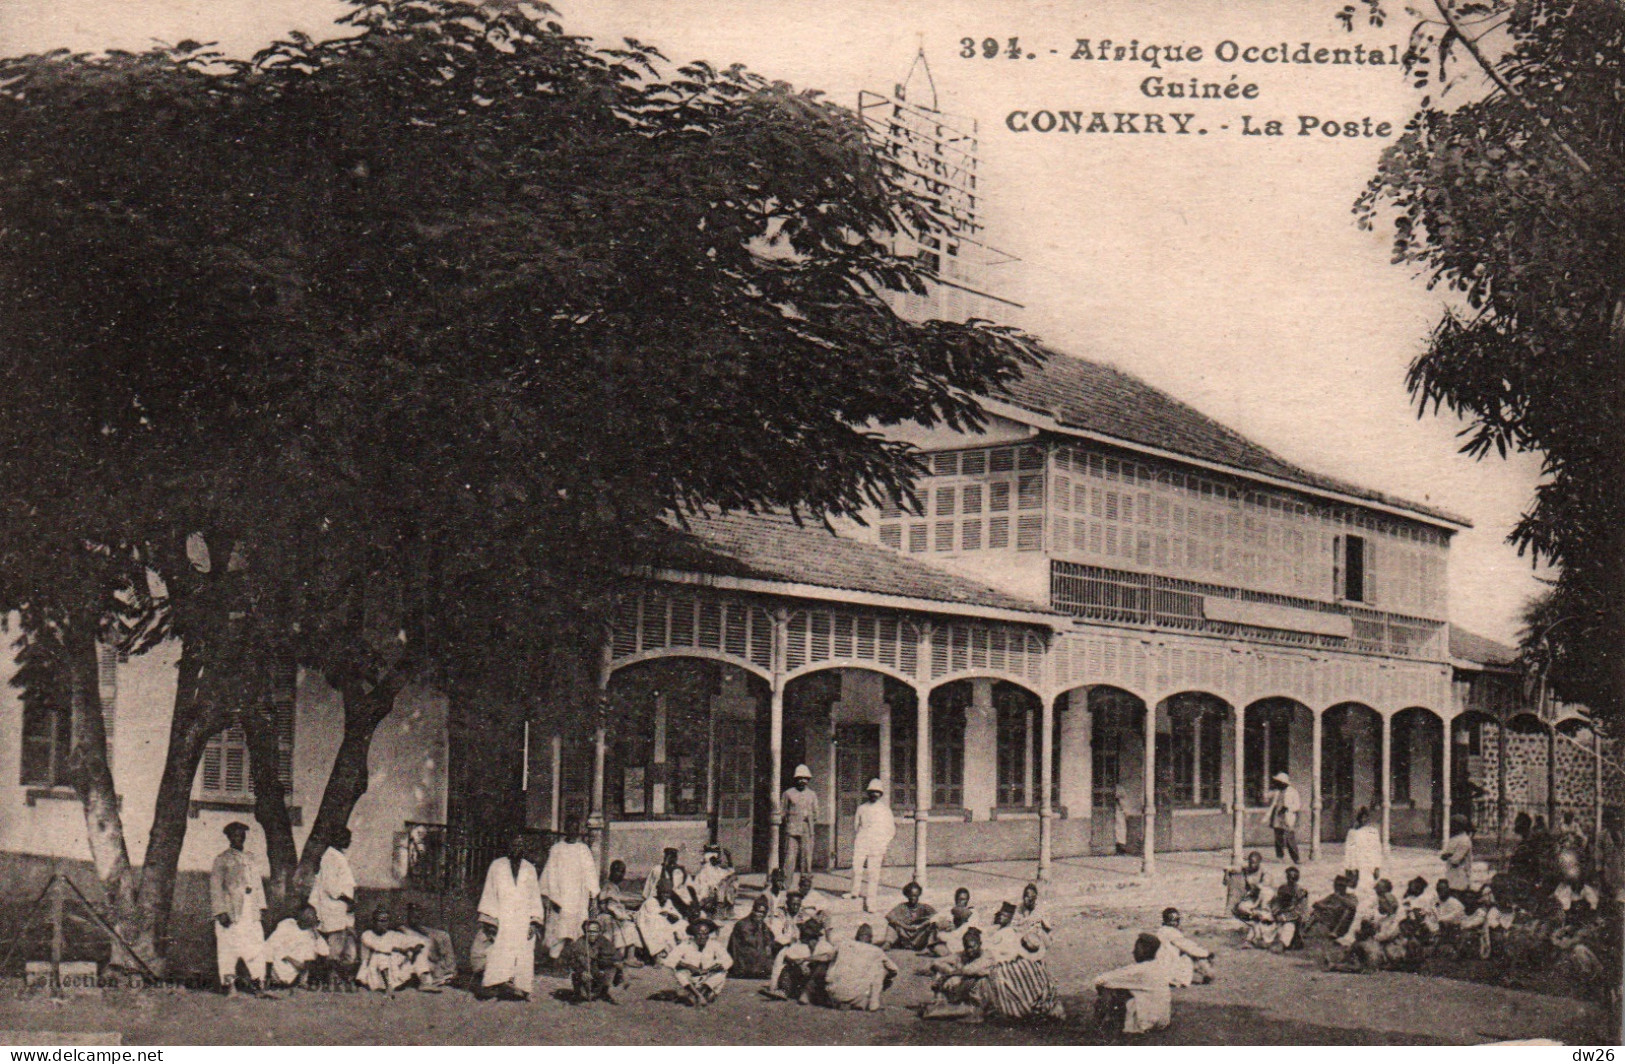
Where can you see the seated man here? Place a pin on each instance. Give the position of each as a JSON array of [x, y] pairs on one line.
[[953, 990], [293, 947], [1576, 900], [1187, 963], [659, 924], [813, 902], [775, 890], [1030, 914], [785, 921], [1420, 905], [677, 882], [700, 965], [800, 970], [1016, 985], [1135, 998], [389, 959], [1379, 943], [715, 884], [1244, 890], [618, 907], [911, 923], [859, 974], [1288, 910], [594, 963], [952, 925], [439, 955], [1332, 916], [753, 943]]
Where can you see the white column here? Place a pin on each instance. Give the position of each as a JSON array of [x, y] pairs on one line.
[[1238, 785], [1314, 785], [1046, 770], [775, 738], [922, 777], [1148, 847], [981, 752], [1445, 791], [1387, 782], [556, 783], [596, 824], [657, 797]]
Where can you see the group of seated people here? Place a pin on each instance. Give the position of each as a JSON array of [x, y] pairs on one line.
[[1271, 919], [995, 972], [392, 955]]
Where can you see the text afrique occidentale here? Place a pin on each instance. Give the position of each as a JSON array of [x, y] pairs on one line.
[[1169, 86]]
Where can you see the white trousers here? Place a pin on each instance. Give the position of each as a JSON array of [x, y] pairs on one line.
[[866, 862], [243, 941]]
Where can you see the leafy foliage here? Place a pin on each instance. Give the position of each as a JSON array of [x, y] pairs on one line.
[[1510, 199]]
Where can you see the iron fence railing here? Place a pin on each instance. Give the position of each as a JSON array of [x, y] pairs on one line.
[[441, 858], [1123, 597]]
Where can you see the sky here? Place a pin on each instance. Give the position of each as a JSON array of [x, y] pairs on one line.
[[1223, 267]]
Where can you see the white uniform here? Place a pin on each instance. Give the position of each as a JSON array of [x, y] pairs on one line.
[[511, 902], [874, 829], [712, 956], [290, 948], [1362, 853], [236, 890], [335, 880], [569, 882], [389, 959]]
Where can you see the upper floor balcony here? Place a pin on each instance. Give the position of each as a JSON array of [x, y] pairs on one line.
[[1144, 599]]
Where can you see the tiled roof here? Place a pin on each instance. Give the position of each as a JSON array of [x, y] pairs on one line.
[[1098, 398], [1470, 646], [773, 547]]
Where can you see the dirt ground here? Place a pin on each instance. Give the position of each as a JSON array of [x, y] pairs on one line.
[[1259, 998]]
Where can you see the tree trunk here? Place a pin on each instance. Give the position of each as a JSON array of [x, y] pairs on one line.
[[191, 726], [271, 803], [364, 710], [93, 779]]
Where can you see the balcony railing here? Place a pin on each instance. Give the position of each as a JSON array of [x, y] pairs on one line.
[[442, 858], [1122, 597]]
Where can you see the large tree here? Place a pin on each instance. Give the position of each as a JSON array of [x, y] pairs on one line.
[[1505, 189], [396, 347]]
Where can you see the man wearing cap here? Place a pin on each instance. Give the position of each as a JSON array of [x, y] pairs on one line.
[[332, 895], [594, 963], [700, 965], [714, 882], [1285, 805], [800, 807], [237, 896], [873, 829]]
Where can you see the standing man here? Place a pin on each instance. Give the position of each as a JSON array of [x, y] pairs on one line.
[[800, 814], [569, 883], [1285, 805], [237, 895], [873, 829], [510, 915], [332, 895]]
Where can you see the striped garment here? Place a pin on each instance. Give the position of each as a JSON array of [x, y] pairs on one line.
[[1019, 989]]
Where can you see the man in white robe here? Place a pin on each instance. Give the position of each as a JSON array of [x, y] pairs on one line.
[[1362, 853], [659, 923], [511, 913], [332, 895], [1145, 984], [569, 884], [237, 897]]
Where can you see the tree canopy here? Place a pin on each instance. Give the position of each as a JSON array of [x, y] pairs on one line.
[[1505, 189], [388, 352]]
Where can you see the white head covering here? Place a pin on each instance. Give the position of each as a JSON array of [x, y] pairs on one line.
[[1282, 777], [875, 785], [802, 772]]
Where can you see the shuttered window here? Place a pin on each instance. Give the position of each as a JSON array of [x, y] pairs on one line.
[[224, 774]]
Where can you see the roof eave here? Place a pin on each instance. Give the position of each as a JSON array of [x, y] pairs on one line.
[[1026, 415], [816, 592]]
